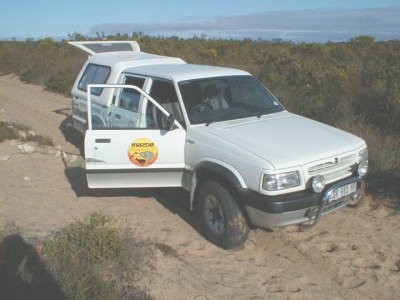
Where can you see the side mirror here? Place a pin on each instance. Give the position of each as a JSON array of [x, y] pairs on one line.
[[170, 122]]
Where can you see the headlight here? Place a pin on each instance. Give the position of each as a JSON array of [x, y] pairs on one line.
[[318, 183], [363, 155], [362, 168], [282, 181]]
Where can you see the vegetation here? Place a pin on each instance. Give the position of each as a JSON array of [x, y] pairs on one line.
[[90, 259], [353, 85], [10, 131], [95, 259]]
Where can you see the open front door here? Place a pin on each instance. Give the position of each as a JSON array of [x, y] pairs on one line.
[[149, 152]]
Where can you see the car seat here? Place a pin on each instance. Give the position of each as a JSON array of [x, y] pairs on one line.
[[213, 96]]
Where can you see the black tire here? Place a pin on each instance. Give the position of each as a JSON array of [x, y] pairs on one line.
[[234, 229]]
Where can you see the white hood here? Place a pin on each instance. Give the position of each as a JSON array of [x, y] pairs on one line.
[[287, 140]]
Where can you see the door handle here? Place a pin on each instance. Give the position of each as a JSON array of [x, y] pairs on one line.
[[104, 141], [118, 116]]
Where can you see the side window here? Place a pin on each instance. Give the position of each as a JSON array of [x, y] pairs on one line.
[[164, 92], [94, 74], [129, 98], [125, 113]]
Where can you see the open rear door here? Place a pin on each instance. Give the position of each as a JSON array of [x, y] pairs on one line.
[[141, 155], [93, 47]]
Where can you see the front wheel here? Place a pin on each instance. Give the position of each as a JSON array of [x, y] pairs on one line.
[[221, 217]]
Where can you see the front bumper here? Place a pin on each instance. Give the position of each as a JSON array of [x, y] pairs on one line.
[[302, 207]]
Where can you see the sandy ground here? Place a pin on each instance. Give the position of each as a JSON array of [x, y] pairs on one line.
[[351, 254]]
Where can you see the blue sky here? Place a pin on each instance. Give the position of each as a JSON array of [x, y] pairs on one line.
[[297, 20]]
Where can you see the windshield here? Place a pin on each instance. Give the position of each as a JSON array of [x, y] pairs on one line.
[[226, 98]]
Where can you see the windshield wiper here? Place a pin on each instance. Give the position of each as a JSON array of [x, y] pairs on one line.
[[268, 110], [228, 117], [258, 114], [217, 119]]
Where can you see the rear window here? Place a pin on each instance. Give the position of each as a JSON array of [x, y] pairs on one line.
[[109, 47], [94, 74]]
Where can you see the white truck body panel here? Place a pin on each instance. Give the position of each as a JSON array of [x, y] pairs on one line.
[[109, 166], [108, 152], [204, 146], [286, 140]]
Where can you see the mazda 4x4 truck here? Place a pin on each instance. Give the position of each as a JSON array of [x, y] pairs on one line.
[[156, 121]]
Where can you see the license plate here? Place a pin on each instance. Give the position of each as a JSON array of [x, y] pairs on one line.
[[342, 191]]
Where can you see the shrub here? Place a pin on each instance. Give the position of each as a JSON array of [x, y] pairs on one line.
[[60, 82], [384, 159], [7, 131], [95, 259], [40, 139], [11, 131]]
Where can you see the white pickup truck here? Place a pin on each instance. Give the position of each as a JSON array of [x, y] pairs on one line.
[[155, 121]]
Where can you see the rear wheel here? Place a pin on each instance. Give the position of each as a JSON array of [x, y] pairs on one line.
[[221, 217]]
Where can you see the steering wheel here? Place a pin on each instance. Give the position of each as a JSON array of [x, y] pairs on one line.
[[204, 105]]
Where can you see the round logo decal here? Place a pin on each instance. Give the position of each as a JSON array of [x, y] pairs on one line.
[[143, 152]]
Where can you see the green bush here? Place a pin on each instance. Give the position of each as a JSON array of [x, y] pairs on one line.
[[60, 82], [94, 259], [384, 160], [7, 131]]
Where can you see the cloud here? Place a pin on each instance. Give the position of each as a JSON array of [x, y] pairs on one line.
[[301, 25]]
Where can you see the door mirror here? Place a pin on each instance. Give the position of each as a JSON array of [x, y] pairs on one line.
[[170, 122]]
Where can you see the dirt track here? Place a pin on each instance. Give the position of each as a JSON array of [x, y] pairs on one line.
[[350, 254]]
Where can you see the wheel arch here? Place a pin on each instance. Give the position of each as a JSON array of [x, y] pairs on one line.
[[229, 177], [218, 171]]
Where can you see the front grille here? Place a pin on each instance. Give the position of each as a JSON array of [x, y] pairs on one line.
[[333, 171]]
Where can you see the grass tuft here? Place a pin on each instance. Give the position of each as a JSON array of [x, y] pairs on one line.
[[94, 259], [13, 131]]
